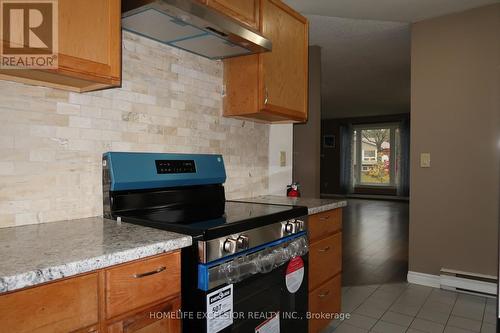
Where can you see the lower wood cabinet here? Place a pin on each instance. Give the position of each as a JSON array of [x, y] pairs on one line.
[[324, 299], [160, 318], [325, 257], [141, 297], [325, 267], [65, 306], [137, 284]]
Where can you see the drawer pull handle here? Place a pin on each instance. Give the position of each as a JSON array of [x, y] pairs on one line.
[[324, 218], [326, 249], [156, 271], [323, 295]]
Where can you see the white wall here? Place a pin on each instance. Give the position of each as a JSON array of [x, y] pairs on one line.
[[280, 139]]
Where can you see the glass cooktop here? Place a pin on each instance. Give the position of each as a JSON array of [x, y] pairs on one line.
[[237, 217]]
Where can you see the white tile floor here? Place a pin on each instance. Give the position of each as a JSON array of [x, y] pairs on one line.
[[402, 307]]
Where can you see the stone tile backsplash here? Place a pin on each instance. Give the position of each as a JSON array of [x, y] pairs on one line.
[[51, 141]]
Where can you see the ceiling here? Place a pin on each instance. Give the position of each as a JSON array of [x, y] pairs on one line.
[[365, 50], [386, 10], [365, 66]]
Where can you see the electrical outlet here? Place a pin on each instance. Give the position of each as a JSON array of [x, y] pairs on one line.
[[425, 160], [282, 158]]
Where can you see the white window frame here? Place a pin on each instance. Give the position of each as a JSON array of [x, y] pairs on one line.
[[369, 158], [360, 156]]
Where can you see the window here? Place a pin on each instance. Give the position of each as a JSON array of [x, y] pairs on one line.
[[373, 146], [369, 155]]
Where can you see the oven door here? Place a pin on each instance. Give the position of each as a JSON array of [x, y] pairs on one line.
[[265, 301], [261, 291]]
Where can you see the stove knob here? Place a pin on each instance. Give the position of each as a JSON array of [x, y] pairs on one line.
[[300, 225], [243, 242], [229, 245], [290, 227]]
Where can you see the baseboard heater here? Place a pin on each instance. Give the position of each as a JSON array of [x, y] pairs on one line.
[[473, 283]]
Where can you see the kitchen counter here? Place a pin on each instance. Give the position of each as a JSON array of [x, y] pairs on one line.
[[34, 254], [314, 206]]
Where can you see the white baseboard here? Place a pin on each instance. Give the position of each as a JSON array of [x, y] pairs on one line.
[[453, 282], [424, 279]]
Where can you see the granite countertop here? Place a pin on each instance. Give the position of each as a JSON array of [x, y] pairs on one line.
[[314, 206], [34, 254]]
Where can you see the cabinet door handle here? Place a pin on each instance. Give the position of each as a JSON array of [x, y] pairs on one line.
[[266, 95], [323, 295], [156, 271], [325, 249], [324, 218]]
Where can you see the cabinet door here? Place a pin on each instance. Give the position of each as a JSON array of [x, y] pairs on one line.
[[89, 48], [245, 11], [133, 285], [90, 38], [325, 259], [59, 307], [157, 319], [284, 71], [324, 224], [325, 299]]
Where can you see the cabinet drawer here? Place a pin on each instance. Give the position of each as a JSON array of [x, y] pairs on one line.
[[64, 306], [144, 322], [324, 224], [325, 260], [137, 284], [324, 299]]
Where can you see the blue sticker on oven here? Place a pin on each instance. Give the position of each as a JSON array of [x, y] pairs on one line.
[[220, 309]]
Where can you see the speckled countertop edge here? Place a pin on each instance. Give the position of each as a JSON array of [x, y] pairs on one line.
[[41, 273], [39, 276], [327, 207], [314, 205]]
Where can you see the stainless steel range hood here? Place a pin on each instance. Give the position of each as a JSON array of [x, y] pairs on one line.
[[191, 26]]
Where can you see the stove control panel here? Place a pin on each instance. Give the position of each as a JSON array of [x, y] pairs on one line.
[[217, 248], [175, 166]]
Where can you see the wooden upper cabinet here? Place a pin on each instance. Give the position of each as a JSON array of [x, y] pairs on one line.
[[284, 74], [245, 11], [272, 86], [89, 55]]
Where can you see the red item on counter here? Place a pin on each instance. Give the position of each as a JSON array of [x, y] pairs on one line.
[[293, 190]]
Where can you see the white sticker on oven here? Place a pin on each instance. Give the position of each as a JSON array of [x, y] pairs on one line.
[[294, 274], [220, 309], [272, 325]]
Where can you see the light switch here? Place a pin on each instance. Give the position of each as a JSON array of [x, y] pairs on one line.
[[425, 160], [282, 158]]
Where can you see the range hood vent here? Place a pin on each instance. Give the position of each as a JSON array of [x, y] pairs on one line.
[[191, 26]]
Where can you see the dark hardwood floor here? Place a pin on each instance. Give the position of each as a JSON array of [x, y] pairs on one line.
[[375, 242]]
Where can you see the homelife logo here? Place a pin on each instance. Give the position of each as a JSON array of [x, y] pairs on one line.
[[29, 33]]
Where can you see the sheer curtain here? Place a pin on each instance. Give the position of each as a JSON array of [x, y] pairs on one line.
[[404, 158], [346, 151]]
